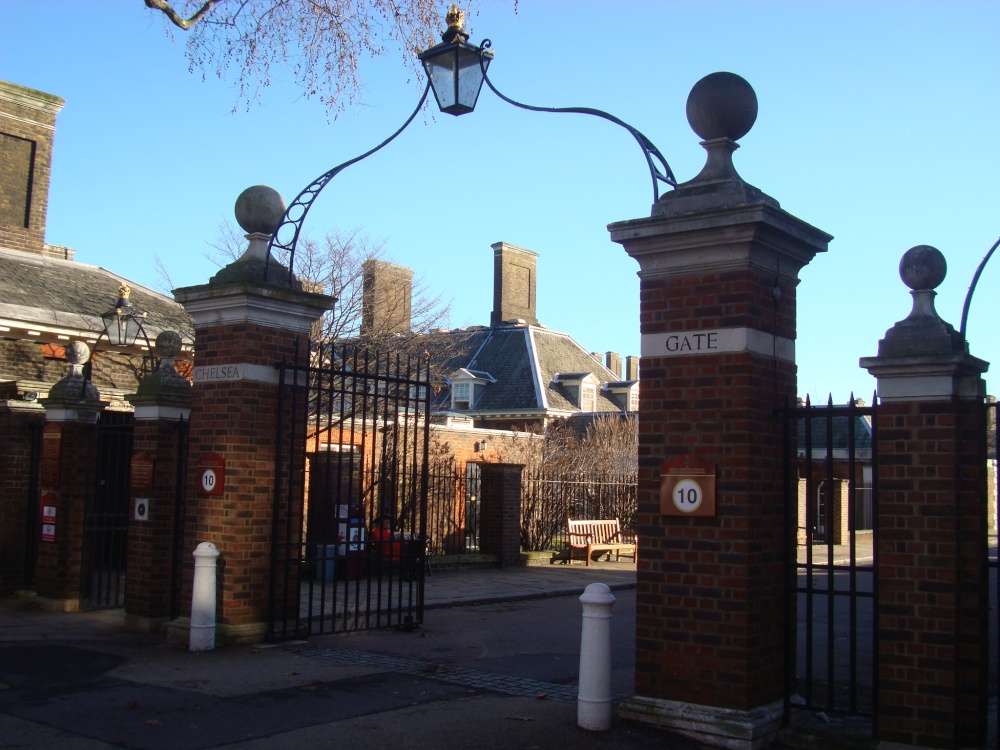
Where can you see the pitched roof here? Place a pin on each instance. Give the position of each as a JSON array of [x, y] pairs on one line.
[[523, 361], [37, 291]]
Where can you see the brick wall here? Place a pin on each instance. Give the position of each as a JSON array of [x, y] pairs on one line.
[[46, 363]]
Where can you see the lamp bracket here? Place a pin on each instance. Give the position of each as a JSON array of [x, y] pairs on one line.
[[286, 234], [659, 170]]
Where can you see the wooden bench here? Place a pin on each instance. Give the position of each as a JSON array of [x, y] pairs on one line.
[[592, 536]]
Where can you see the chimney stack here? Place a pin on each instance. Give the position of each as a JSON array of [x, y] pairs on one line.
[[386, 294], [513, 284], [631, 368], [27, 126], [614, 363]]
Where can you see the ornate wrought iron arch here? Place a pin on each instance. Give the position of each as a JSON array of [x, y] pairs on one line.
[[286, 235]]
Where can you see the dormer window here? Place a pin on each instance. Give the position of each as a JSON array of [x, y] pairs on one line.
[[461, 396], [580, 388], [625, 393], [466, 387]]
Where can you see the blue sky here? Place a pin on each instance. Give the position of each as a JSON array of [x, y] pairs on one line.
[[877, 123]]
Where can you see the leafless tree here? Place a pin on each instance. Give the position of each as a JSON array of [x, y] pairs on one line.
[[320, 42], [568, 473], [335, 266]]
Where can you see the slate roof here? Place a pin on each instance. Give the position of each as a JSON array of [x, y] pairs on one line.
[[523, 360], [49, 292], [840, 439]]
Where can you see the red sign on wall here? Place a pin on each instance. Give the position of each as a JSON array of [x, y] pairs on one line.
[[141, 473], [687, 487], [211, 474]]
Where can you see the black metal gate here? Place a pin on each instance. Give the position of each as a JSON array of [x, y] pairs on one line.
[[831, 496], [350, 527], [106, 510]]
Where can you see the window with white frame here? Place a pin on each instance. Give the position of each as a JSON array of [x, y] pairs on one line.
[[461, 395], [633, 399], [588, 397]]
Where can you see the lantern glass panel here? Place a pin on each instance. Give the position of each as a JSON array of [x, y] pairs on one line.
[[441, 70], [455, 76], [121, 329], [470, 77], [131, 326]]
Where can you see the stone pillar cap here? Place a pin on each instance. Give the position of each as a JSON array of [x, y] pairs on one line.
[[259, 210], [164, 385], [74, 397], [922, 332], [75, 388], [923, 357], [721, 109]]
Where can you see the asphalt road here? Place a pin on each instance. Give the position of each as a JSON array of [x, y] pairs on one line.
[[491, 677]]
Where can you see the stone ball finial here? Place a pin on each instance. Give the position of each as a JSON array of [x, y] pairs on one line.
[[259, 209], [722, 105], [77, 353], [923, 267], [168, 344]]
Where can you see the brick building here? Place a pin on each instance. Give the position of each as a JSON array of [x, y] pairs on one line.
[[47, 301], [515, 373]]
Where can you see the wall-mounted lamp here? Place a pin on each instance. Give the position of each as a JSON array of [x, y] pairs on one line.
[[481, 445]]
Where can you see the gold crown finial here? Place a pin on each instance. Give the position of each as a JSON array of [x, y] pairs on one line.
[[124, 291], [455, 18]]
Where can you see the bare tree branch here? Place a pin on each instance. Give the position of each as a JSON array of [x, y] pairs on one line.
[[167, 10], [320, 42]]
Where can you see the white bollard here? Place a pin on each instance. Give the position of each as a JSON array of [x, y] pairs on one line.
[[202, 637], [594, 702]]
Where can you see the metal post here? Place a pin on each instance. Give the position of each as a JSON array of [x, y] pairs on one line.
[[594, 703], [202, 636]]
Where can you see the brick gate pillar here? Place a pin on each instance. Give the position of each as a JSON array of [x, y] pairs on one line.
[[69, 447], [500, 512], [162, 410], [718, 267], [245, 323], [931, 525]]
